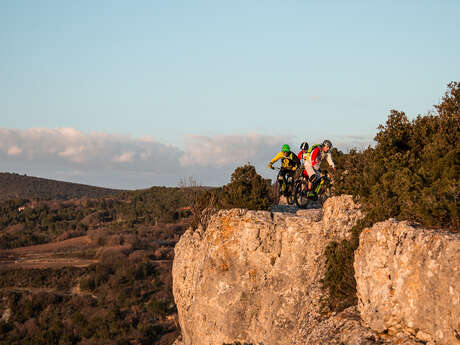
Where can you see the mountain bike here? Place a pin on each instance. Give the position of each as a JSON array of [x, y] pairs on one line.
[[320, 190], [284, 186]]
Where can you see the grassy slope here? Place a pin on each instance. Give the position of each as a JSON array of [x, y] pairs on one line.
[[114, 282], [20, 186]]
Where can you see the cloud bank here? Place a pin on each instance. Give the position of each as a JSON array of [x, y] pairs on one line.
[[68, 147], [121, 161], [226, 150]]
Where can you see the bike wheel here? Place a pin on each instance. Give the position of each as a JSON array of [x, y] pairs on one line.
[[325, 194], [290, 196], [300, 195]]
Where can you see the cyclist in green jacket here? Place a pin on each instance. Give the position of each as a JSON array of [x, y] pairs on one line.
[[289, 162]]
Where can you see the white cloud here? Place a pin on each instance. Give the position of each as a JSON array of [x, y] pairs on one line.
[[228, 150], [348, 142], [74, 153], [124, 157], [67, 149], [14, 150], [121, 161]]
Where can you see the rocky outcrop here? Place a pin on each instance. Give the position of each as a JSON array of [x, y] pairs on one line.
[[408, 280], [254, 276], [346, 328]]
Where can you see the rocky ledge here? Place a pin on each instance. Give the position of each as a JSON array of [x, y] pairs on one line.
[[255, 277], [408, 281]]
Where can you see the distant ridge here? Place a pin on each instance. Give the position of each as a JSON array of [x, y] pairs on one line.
[[13, 186]]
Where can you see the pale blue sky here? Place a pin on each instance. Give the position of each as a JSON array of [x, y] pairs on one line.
[[175, 69]]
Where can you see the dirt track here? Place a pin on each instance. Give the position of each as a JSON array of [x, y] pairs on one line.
[[74, 252], [71, 252]]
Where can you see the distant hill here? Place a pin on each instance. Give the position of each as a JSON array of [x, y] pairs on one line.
[[13, 185]]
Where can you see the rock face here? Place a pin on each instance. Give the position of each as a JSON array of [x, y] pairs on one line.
[[346, 328], [408, 280], [254, 276]]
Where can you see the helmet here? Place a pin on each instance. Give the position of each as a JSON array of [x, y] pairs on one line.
[[304, 146], [285, 148], [327, 143]]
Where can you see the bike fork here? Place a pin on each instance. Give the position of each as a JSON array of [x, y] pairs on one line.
[[317, 189]]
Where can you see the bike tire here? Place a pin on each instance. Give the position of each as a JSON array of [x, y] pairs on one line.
[[290, 197], [300, 196], [325, 193]]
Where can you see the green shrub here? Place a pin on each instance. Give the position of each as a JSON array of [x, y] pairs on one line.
[[411, 174], [157, 308], [247, 189]]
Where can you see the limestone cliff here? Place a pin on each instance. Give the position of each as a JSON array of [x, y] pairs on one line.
[[408, 280], [255, 277]]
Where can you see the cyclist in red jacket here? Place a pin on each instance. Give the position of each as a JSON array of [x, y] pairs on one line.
[[313, 158]]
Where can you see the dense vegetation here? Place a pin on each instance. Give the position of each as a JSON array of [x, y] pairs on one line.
[[247, 189], [411, 174], [46, 221], [14, 186], [126, 297]]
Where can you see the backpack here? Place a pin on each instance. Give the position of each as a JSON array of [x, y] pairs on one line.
[[310, 150]]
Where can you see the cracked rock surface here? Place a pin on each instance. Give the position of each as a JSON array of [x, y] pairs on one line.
[[408, 280], [254, 276]]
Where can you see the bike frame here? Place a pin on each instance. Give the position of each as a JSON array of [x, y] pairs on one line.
[[318, 189], [288, 191], [320, 184], [323, 184], [283, 177]]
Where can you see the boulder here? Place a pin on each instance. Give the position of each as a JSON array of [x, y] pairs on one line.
[[254, 276], [408, 281], [347, 328]]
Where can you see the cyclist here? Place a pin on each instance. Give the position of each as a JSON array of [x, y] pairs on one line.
[[313, 158], [303, 151], [289, 162]]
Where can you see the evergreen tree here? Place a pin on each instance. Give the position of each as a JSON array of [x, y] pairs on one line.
[[247, 189]]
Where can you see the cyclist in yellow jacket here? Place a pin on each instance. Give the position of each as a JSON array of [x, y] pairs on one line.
[[289, 162]]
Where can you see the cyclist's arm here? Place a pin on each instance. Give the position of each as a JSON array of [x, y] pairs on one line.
[[329, 160], [276, 158]]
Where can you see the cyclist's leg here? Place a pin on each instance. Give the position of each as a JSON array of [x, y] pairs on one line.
[[310, 171], [315, 179], [304, 177], [291, 174], [282, 179], [291, 177], [290, 186]]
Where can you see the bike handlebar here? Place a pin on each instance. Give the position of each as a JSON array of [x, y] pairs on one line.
[[279, 168]]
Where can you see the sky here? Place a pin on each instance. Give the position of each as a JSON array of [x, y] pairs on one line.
[[130, 94]]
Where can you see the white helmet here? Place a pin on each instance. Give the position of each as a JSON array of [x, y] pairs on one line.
[[304, 146]]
